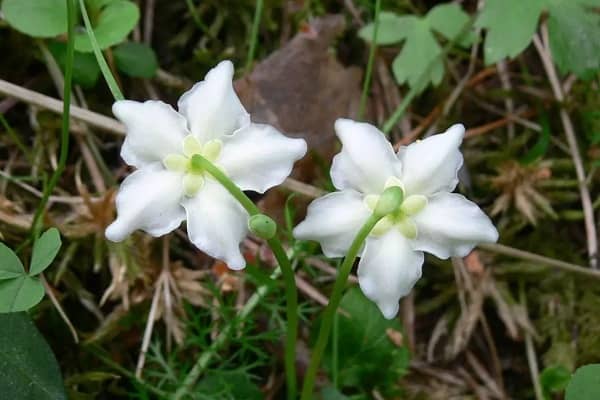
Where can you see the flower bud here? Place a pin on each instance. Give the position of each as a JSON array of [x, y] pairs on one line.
[[262, 226], [389, 201]]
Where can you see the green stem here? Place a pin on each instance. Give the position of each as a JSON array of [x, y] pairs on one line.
[[64, 135], [331, 309], [108, 76], [254, 34], [284, 263], [369, 72]]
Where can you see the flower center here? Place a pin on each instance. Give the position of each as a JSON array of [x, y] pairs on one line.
[[193, 180], [401, 218]]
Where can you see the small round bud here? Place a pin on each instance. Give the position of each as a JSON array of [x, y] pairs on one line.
[[262, 226], [389, 201]]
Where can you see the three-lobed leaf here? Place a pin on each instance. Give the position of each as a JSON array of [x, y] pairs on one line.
[[20, 294], [85, 68], [37, 18], [29, 369], [421, 52]]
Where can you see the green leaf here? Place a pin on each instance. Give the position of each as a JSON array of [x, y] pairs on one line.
[[29, 369], [541, 145], [585, 384], [136, 59], [554, 379], [10, 265], [85, 68], [331, 393], [573, 32], [364, 346], [392, 29], [510, 26], [44, 251], [20, 294], [450, 20], [420, 51], [37, 18], [225, 385], [117, 19]]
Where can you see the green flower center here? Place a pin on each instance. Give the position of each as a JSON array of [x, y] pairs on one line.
[[401, 217], [194, 177]]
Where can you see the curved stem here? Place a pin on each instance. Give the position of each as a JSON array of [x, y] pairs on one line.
[[287, 271], [334, 301], [64, 136]]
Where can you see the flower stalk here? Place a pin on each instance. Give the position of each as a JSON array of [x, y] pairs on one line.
[[334, 302], [287, 271]]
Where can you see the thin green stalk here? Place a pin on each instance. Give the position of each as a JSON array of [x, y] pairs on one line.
[[254, 34], [284, 263], [108, 76], [369, 72], [334, 302], [64, 135], [417, 88]]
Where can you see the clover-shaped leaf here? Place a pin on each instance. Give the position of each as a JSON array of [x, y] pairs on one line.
[[421, 52], [19, 290], [116, 20], [136, 59], [585, 383]]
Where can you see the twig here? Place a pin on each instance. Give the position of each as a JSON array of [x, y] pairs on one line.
[[61, 312], [525, 255], [531, 356], [586, 201], [49, 103]]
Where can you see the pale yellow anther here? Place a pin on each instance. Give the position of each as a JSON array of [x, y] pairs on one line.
[[393, 181], [176, 163], [192, 183], [407, 227], [212, 149], [371, 200], [191, 146], [382, 226], [413, 204]]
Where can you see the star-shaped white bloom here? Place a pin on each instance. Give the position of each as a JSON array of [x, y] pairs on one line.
[[167, 189], [430, 218]]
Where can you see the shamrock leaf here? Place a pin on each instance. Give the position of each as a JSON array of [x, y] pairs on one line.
[[585, 383], [136, 59], [19, 291], [421, 52]]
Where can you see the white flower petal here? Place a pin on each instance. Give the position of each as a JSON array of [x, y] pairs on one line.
[[431, 165], [217, 223], [148, 200], [211, 106], [259, 157], [451, 225], [154, 129], [367, 158], [388, 270], [334, 220]]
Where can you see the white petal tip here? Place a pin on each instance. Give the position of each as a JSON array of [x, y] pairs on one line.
[[115, 232], [457, 131], [224, 68], [390, 310], [120, 108]]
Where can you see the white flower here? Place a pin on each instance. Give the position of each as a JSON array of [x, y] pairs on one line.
[[165, 189], [430, 218]]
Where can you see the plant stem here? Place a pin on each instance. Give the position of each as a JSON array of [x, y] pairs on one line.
[[64, 135], [108, 76], [334, 301], [254, 34], [286, 269], [369, 71]]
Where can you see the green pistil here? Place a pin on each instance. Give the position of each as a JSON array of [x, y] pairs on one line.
[[195, 174]]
